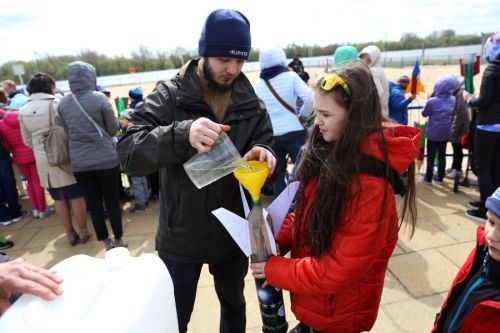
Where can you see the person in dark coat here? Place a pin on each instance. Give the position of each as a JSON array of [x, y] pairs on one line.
[[487, 135]]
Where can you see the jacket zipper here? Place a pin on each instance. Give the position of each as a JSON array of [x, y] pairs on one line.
[[467, 294]]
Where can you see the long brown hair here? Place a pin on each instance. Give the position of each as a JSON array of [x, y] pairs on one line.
[[337, 163]]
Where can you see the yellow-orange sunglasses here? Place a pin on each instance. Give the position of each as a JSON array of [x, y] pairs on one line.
[[330, 81]]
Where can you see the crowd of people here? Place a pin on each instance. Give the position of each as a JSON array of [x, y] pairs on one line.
[[347, 135]]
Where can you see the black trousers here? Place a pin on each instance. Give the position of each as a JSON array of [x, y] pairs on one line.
[[487, 159], [99, 185], [154, 183], [434, 147], [229, 284], [458, 156]]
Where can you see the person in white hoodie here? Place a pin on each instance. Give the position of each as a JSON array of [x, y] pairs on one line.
[[288, 131], [370, 55]]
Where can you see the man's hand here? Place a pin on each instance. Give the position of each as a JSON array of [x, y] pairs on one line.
[[204, 133], [21, 276], [261, 154], [467, 96]]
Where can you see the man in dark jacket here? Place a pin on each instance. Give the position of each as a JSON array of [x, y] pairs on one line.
[[185, 115]]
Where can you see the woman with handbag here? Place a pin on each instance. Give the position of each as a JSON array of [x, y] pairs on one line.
[[279, 90], [35, 119], [91, 123]]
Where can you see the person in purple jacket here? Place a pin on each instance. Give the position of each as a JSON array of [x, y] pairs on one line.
[[438, 130]]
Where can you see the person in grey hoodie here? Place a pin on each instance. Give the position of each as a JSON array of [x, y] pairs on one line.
[[91, 123]]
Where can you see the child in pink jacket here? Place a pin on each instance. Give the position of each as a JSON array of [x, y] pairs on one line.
[[24, 157]]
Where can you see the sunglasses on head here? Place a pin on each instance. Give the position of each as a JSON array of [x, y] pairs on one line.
[[330, 81]]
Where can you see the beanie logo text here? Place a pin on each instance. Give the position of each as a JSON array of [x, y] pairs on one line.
[[238, 53]]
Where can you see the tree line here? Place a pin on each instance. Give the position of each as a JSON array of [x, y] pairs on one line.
[[144, 60]]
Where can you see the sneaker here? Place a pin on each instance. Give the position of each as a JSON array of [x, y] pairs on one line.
[[453, 174], [474, 204], [448, 170], [438, 180], [427, 181], [478, 215], [6, 222], [120, 242], [108, 244], [137, 208], [49, 211], [20, 217], [36, 213], [5, 244]]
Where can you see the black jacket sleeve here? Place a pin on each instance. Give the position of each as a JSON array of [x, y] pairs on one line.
[[154, 139], [487, 91]]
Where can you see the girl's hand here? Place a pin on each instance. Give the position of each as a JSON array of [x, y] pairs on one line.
[[258, 270]]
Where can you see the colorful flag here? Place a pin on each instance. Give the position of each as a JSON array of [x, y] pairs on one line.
[[415, 85], [468, 71]]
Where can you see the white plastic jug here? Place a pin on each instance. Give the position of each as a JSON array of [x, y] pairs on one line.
[[117, 294]]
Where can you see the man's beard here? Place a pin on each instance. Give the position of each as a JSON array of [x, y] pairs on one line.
[[207, 71]]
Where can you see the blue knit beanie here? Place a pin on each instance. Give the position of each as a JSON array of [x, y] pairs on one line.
[[135, 94], [493, 203], [226, 33]]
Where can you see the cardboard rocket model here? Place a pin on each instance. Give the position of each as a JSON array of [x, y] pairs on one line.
[[255, 237]]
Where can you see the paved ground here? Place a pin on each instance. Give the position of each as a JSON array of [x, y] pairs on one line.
[[420, 271]]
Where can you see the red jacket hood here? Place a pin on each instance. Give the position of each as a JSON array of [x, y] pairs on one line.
[[11, 118], [403, 143]]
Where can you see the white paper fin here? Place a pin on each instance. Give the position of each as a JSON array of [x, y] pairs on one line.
[[270, 234], [246, 209], [237, 228], [279, 207]]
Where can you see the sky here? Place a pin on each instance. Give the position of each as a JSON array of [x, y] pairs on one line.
[[31, 29]]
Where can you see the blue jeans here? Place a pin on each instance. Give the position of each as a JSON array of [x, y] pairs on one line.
[[229, 283], [9, 200], [284, 145], [139, 187]]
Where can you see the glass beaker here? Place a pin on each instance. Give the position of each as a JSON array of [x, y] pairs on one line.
[[222, 159]]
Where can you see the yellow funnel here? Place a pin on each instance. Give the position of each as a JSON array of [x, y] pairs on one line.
[[253, 178]]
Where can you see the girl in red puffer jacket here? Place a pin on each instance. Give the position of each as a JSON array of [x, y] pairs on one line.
[[345, 226]]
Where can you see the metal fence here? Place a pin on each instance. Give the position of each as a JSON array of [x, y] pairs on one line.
[[441, 56]]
